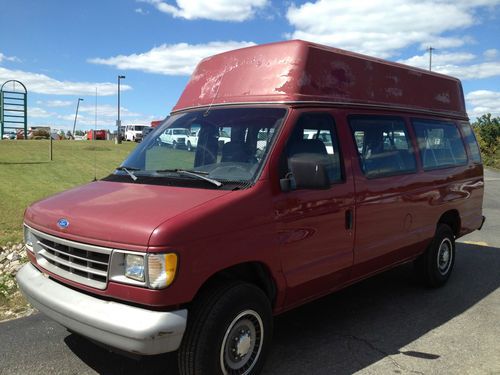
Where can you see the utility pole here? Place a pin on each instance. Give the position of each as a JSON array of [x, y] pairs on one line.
[[118, 121], [76, 115], [430, 49]]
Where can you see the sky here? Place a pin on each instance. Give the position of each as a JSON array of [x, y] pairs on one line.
[[65, 50]]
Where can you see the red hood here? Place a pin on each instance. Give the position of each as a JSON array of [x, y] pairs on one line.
[[115, 214]]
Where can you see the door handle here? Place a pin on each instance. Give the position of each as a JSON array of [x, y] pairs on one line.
[[349, 218]]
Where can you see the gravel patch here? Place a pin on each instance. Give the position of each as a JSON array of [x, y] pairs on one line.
[[12, 303]]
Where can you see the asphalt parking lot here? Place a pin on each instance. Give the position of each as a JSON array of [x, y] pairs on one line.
[[388, 324]]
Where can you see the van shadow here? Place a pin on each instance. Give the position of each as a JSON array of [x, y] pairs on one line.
[[348, 330], [354, 328]]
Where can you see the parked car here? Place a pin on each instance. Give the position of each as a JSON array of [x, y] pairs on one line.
[[175, 137], [192, 141], [133, 133], [9, 135], [322, 135], [210, 247]]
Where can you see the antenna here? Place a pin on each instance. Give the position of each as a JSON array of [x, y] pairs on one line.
[[94, 137]]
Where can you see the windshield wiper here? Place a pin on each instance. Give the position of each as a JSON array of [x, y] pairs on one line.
[[128, 170], [195, 174]]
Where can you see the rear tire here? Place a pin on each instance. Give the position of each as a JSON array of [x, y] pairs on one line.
[[434, 266], [229, 332]]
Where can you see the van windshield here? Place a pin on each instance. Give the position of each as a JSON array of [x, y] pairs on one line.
[[199, 147]]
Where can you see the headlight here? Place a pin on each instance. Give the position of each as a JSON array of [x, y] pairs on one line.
[[161, 270], [29, 239], [134, 267], [154, 271]]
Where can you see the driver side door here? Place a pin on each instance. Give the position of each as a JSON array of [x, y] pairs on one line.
[[316, 226]]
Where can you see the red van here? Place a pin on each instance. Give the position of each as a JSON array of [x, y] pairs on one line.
[[338, 166]]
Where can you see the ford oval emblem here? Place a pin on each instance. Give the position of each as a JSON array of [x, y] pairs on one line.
[[63, 223]]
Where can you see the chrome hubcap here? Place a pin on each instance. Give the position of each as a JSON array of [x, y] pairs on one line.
[[444, 258], [242, 343]]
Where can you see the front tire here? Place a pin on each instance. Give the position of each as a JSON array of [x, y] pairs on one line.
[[229, 332], [189, 147], [435, 265]]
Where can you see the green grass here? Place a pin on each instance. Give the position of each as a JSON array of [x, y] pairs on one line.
[[27, 175]]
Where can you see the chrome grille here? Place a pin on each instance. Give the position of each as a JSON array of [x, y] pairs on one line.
[[79, 262]]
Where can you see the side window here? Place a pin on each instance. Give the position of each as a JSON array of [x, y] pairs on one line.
[[470, 139], [383, 145], [315, 133], [440, 144]]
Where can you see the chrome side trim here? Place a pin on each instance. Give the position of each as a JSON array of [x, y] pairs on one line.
[[129, 328]]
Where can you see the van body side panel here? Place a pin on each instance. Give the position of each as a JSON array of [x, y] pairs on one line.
[[442, 190], [473, 188]]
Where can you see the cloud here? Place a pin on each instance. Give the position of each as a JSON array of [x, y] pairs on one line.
[[382, 27], [490, 54], [141, 11], [106, 116], [216, 10], [446, 42], [475, 71], [43, 84], [173, 59], [422, 61], [107, 110], [8, 58], [37, 112], [453, 64], [58, 103], [483, 101]]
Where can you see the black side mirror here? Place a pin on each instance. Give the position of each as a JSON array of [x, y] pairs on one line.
[[308, 170]]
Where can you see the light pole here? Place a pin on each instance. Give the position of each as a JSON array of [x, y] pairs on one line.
[[76, 115], [118, 121], [430, 49]]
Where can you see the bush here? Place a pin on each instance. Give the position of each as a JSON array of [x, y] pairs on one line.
[[487, 131]]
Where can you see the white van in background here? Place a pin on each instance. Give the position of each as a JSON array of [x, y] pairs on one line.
[[134, 132]]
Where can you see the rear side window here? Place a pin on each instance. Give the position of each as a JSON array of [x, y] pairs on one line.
[[440, 144], [470, 139], [383, 145]]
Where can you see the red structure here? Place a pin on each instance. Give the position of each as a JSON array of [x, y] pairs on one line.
[[156, 123], [96, 134]]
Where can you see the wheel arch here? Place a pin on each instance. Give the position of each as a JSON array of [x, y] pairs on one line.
[[452, 219], [255, 272]]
